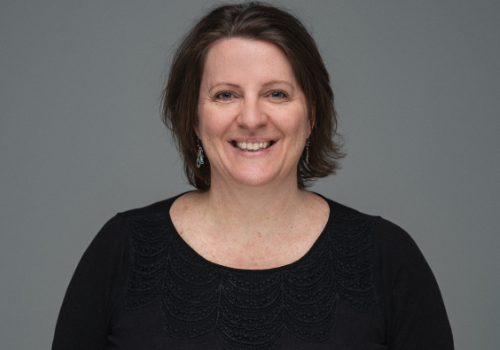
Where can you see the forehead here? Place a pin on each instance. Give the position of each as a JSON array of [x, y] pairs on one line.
[[238, 59]]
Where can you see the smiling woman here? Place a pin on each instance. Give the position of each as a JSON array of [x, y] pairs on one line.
[[252, 260], [269, 25]]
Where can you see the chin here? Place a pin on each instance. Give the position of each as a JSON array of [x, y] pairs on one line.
[[256, 179]]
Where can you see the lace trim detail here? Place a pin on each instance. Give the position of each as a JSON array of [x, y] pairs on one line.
[[251, 310]]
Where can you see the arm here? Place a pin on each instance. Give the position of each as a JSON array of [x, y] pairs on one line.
[[410, 297], [94, 291]]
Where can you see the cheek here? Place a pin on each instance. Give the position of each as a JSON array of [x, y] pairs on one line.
[[204, 117], [211, 125], [296, 122]]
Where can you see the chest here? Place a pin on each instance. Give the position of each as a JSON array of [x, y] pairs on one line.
[[176, 298]]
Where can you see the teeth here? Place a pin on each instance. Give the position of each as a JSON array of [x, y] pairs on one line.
[[253, 146]]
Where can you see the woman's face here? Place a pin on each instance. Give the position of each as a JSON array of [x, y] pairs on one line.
[[252, 114]]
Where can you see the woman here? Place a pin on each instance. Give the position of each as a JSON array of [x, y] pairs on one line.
[[251, 260]]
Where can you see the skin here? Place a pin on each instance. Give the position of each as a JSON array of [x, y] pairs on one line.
[[254, 216]]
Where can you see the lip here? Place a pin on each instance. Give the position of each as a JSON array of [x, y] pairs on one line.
[[253, 140], [253, 153]]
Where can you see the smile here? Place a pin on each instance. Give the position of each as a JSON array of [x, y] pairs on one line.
[[252, 146]]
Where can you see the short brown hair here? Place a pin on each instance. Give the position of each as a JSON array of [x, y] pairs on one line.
[[254, 21]]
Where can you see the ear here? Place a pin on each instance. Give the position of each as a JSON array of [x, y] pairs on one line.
[[196, 126], [197, 130], [312, 120]]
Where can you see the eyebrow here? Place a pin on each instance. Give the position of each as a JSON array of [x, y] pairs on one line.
[[272, 82], [227, 84]]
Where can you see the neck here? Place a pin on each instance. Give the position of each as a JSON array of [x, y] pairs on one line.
[[251, 212]]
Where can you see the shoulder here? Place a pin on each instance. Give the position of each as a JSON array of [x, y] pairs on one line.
[[147, 215], [390, 240], [397, 264], [388, 263], [115, 236], [387, 236], [350, 225], [118, 226], [392, 251], [151, 209]]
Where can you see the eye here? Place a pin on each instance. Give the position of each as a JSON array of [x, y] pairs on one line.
[[224, 95], [278, 94]]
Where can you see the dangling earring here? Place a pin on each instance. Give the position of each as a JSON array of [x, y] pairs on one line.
[[307, 151], [199, 157]]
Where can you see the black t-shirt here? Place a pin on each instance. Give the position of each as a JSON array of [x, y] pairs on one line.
[[363, 285]]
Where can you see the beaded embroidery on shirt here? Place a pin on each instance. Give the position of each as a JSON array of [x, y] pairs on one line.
[[250, 309]]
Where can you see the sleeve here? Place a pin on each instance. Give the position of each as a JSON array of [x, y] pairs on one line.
[[414, 309], [94, 291]]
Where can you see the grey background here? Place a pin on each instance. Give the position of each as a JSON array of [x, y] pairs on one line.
[[418, 94]]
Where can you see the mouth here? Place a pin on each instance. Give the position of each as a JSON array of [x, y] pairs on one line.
[[252, 146]]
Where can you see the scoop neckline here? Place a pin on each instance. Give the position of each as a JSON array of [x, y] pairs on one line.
[[212, 264]]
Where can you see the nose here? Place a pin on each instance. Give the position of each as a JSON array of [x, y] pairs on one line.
[[251, 114]]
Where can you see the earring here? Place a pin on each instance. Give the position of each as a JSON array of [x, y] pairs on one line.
[[307, 151], [199, 157]]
